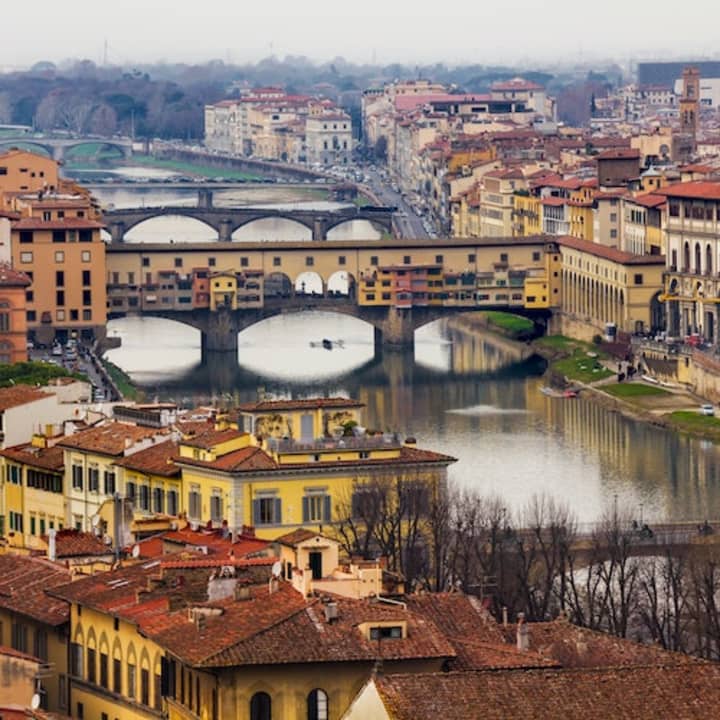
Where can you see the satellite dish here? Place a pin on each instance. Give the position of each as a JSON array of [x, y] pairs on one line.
[[277, 569], [95, 520], [35, 701], [136, 551]]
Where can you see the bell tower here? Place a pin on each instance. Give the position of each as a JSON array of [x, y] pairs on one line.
[[690, 102]]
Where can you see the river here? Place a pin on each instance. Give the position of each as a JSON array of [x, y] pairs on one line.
[[457, 393]]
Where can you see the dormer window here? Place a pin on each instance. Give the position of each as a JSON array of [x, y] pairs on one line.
[[386, 632]]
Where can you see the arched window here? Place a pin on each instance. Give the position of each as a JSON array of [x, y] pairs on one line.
[[708, 260], [698, 257], [260, 707], [686, 257], [317, 705]]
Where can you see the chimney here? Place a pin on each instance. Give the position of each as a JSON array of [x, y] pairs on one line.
[[274, 585], [523, 640], [331, 612], [52, 547], [242, 591], [504, 616]]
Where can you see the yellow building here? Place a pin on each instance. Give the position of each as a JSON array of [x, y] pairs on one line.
[[33, 623], [603, 285], [34, 494], [527, 214], [211, 638], [496, 202], [223, 291], [642, 232]]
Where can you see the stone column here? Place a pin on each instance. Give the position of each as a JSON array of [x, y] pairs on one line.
[[117, 231], [319, 231], [225, 233], [219, 332], [396, 329]]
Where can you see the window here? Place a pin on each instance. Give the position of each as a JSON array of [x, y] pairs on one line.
[[130, 491], [374, 260], [439, 259], [16, 521], [41, 644], [145, 687], [77, 477], [172, 502], [74, 315], [407, 259], [85, 256], [59, 256], [216, 507], [80, 712], [31, 316], [194, 502], [211, 262], [131, 689], [86, 277], [117, 676], [19, 637], [158, 692], [309, 261], [386, 296], [267, 511], [178, 262], [383, 633], [58, 236], [276, 261], [109, 482], [59, 297], [260, 707], [317, 705], [93, 479], [158, 500], [85, 236], [60, 315], [613, 217], [146, 262], [638, 279], [144, 495], [472, 258], [104, 670], [26, 257], [87, 315], [613, 233], [536, 257], [87, 297], [14, 474], [91, 665], [503, 257], [316, 508]]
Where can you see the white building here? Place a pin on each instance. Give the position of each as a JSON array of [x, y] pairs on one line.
[[328, 139]]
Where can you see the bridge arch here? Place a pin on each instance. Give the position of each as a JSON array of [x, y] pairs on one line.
[[311, 283], [353, 228], [152, 226], [341, 282], [270, 221], [278, 285], [29, 145]]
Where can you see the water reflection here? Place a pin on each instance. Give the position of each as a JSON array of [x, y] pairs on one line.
[[463, 395]]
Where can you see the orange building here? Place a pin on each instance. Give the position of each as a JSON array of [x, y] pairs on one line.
[[56, 241], [23, 171], [13, 323]]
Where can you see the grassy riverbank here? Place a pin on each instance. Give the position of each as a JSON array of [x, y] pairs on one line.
[[33, 373], [574, 360], [123, 382]]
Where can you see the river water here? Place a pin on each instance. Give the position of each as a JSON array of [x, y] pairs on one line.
[[458, 393]]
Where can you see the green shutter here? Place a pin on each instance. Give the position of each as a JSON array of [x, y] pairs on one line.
[[306, 509]]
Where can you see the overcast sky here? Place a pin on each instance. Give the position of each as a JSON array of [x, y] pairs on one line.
[[523, 31]]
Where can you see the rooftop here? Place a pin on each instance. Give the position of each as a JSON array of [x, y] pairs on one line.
[[610, 253], [158, 459], [695, 190], [17, 395], [28, 454], [23, 581], [299, 404], [12, 278], [112, 438]]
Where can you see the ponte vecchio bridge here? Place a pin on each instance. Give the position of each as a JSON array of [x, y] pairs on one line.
[[396, 285]]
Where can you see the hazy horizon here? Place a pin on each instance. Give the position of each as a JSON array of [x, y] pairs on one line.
[[530, 33]]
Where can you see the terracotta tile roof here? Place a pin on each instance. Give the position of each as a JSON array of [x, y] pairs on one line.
[[610, 253], [619, 153], [679, 692], [554, 201], [12, 278], [247, 459], [283, 628], [300, 404], [243, 544], [158, 459], [649, 200], [516, 84], [215, 561], [11, 652], [295, 537], [478, 640], [23, 581], [211, 437], [573, 646], [697, 189], [17, 395], [45, 458], [111, 438], [74, 543]]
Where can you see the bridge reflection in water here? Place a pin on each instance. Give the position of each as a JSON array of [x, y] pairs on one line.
[[460, 394]]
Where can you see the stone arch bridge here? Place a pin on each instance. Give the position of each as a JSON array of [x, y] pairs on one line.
[[57, 147], [225, 221]]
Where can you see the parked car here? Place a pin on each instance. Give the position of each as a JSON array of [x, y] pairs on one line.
[[707, 409]]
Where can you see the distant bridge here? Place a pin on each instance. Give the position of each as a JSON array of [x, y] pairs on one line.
[[225, 221], [57, 147]]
